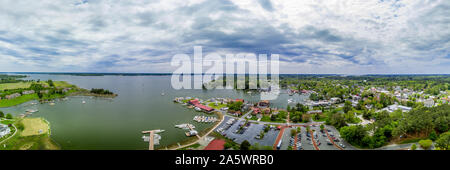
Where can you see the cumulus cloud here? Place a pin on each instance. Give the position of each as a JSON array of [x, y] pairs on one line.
[[311, 36]]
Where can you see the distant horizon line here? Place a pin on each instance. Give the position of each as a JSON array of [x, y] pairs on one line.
[[148, 73]]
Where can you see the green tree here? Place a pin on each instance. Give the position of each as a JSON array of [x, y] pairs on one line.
[[433, 136], [443, 142], [413, 147], [354, 134], [2, 114], [245, 145], [40, 95], [425, 144], [347, 106], [293, 132], [9, 116], [228, 145], [50, 83], [322, 127], [235, 106], [337, 120]]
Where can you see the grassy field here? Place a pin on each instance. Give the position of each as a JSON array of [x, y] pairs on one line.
[[23, 85], [62, 84], [15, 85], [218, 107], [266, 118], [18, 100], [28, 138], [34, 126]]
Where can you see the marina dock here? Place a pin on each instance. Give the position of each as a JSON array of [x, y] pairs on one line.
[[152, 137]]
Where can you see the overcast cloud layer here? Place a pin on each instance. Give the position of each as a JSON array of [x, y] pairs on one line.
[[311, 36]]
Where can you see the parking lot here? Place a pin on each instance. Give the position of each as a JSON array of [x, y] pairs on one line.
[[306, 144], [285, 139], [249, 133], [322, 139], [341, 141]]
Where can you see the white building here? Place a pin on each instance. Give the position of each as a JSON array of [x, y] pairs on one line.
[[4, 130], [428, 103], [28, 92], [395, 107]]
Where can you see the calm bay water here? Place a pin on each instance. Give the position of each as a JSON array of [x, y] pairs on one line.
[[117, 123]]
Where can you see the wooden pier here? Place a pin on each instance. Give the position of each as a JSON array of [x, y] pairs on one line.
[[151, 141]]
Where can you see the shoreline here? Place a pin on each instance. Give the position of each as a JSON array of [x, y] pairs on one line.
[[34, 97]]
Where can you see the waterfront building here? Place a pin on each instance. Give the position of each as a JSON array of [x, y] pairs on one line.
[[28, 92], [314, 112], [12, 96], [197, 104], [264, 103]]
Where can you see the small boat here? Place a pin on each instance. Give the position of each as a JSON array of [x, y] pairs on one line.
[[31, 111], [162, 94], [185, 126], [83, 102], [51, 104], [290, 100], [146, 138], [159, 131]]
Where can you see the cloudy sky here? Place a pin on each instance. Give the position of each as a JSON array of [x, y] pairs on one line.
[[311, 36]]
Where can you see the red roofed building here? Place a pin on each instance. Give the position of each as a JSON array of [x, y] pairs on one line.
[[256, 111], [216, 144], [205, 108], [196, 103], [239, 100]]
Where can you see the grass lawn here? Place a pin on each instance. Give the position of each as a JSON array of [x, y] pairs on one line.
[[32, 126], [62, 84], [24, 85], [17, 85], [18, 100], [254, 118], [267, 119], [322, 118], [218, 107], [7, 121]]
